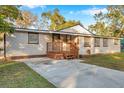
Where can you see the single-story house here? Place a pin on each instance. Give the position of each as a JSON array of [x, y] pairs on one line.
[[71, 42]]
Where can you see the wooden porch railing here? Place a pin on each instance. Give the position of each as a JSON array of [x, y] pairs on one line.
[[66, 49], [58, 46]]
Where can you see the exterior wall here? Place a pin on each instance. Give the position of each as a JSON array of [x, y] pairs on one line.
[[96, 50], [83, 50], [17, 45], [110, 49]]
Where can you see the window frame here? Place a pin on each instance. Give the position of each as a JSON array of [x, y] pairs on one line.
[[34, 34], [105, 44], [89, 41], [95, 43]]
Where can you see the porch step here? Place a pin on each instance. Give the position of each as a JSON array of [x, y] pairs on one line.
[[59, 56], [69, 56], [55, 55]]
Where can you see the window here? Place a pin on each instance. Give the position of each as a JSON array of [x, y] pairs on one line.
[[105, 42], [116, 42], [87, 41], [97, 42], [33, 38]]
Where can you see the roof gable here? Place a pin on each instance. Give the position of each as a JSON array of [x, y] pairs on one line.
[[77, 29]]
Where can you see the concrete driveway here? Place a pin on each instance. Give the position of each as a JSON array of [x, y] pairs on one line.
[[72, 73]]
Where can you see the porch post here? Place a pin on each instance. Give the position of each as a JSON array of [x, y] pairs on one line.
[[47, 47], [5, 46], [78, 42]]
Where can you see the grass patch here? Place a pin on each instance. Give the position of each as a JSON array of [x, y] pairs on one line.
[[122, 50], [19, 75], [113, 61]]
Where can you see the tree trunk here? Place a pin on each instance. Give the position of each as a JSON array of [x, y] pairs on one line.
[[5, 46]]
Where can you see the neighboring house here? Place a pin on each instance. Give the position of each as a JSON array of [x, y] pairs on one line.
[[122, 45], [73, 41]]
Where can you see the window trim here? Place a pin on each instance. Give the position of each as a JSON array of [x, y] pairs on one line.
[[95, 42], [88, 42], [104, 42], [33, 33]]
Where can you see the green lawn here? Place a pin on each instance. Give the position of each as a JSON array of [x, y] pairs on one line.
[[122, 50], [19, 75], [113, 61]]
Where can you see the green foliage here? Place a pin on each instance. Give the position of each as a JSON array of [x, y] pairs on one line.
[[115, 17], [55, 21], [110, 23], [67, 24], [29, 19], [8, 13], [5, 27], [99, 27]]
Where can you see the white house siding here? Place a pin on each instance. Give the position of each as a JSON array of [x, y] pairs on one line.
[[110, 49], [82, 49], [17, 44], [96, 50], [77, 29], [114, 48], [100, 49]]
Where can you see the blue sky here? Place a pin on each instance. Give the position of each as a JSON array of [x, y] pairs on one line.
[[82, 13]]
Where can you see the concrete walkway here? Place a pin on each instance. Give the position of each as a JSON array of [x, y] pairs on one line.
[[72, 73]]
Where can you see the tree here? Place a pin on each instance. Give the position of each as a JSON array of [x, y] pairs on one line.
[[100, 26], [8, 14], [55, 21], [67, 24], [29, 19], [45, 22], [115, 17], [110, 23]]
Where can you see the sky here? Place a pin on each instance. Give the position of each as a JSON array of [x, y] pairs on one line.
[[82, 13]]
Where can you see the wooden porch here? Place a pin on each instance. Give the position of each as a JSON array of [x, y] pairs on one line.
[[62, 50]]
